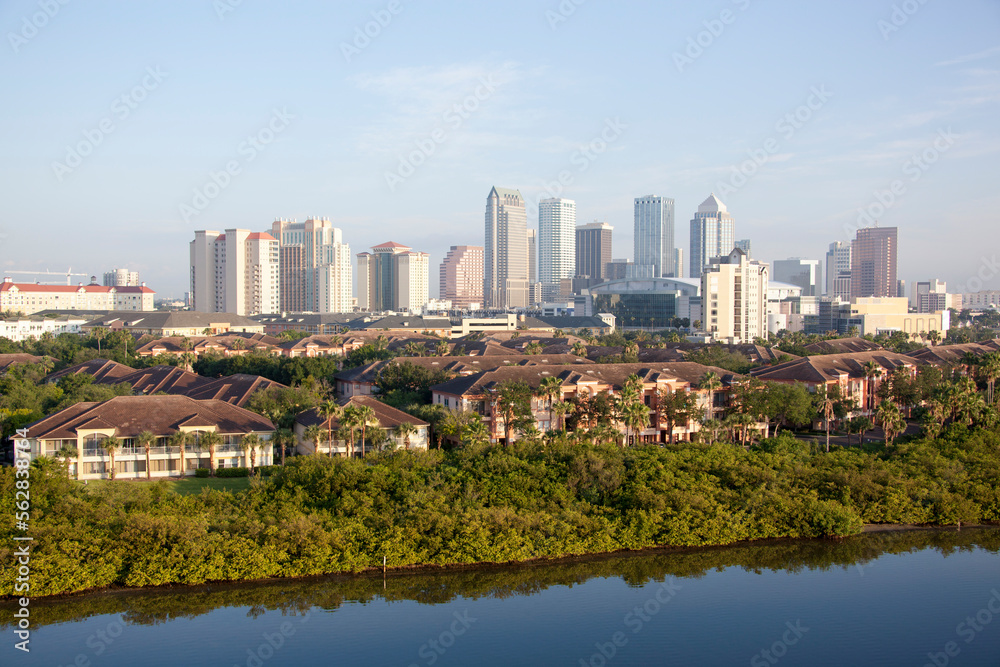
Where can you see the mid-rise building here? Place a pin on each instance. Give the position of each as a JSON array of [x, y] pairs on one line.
[[712, 234], [315, 267], [505, 266], [805, 273], [121, 278], [654, 234], [679, 266], [838, 270], [30, 298], [734, 298], [462, 277], [873, 263], [556, 244], [393, 277], [593, 251], [744, 245], [930, 296], [235, 272]]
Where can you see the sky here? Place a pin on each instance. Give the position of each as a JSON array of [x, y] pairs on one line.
[[126, 126]]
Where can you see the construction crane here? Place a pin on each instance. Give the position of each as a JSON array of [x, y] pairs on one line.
[[68, 273]]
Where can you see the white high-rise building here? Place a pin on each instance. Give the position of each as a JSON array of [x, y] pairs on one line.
[[712, 234], [556, 244], [235, 272], [505, 266], [654, 235], [121, 278], [316, 272], [838, 270], [734, 298]]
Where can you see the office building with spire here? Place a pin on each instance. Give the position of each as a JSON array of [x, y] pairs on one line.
[[713, 234], [505, 265]]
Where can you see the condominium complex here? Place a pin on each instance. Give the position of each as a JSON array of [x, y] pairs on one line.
[[235, 272], [712, 234], [506, 273], [593, 251], [315, 273], [734, 298], [806, 273], [462, 277], [393, 277], [873, 263], [838, 270], [121, 278], [556, 244], [654, 234], [29, 298]]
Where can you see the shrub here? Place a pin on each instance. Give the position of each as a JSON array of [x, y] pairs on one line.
[[232, 472], [201, 472]]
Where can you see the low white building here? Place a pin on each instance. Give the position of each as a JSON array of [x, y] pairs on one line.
[[22, 328]]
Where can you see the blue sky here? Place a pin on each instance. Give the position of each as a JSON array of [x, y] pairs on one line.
[[332, 115]]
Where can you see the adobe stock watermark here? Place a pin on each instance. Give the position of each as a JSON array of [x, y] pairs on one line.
[[562, 13], [786, 127], [248, 150], [701, 42], [967, 630], [271, 643], [899, 17], [779, 649], [223, 7], [913, 169], [582, 159], [433, 649], [451, 121], [635, 620], [989, 268], [32, 25], [121, 108], [364, 34]]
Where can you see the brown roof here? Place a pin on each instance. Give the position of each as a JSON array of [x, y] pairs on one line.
[[163, 415], [952, 354], [388, 417], [459, 365], [843, 345], [200, 344], [8, 360], [830, 367], [103, 370]]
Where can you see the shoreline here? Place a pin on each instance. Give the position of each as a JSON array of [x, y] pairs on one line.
[[486, 566]]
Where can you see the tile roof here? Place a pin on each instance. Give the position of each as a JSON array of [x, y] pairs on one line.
[[388, 417], [830, 367], [842, 345], [458, 365], [8, 360], [952, 354], [163, 415]]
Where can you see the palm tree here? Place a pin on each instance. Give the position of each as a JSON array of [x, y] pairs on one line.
[[872, 371], [406, 430], [534, 348], [934, 337], [67, 452], [146, 440], [826, 405], [99, 334], [711, 383], [549, 389], [441, 348], [891, 420], [330, 410], [989, 369], [350, 420], [562, 408], [110, 445], [579, 349], [210, 440], [251, 441], [283, 437], [366, 417], [180, 440], [314, 434]]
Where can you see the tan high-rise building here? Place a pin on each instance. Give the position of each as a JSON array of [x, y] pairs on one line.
[[316, 267], [593, 251], [873, 263], [235, 272], [393, 277], [505, 265], [462, 276], [734, 298]]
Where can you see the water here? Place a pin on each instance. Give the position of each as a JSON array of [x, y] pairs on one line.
[[911, 598]]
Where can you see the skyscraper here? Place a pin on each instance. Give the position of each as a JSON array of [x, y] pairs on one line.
[[745, 246], [532, 256], [316, 272], [734, 298], [392, 277], [679, 271], [873, 263], [462, 276], [556, 244], [593, 251], [505, 280], [838, 270], [121, 278], [712, 234], [805, 273], [654, 234], [235, 272]]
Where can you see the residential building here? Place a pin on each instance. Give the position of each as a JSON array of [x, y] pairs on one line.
[[654, 235], [983, 300], [25, 327], [393, 277], [174, 323], [388, 421], [31, 298], [593, 251], [462, 276], [838, 270], [806, 273], [316, 271], [235, 272], [712, 234], [873, 263], [734, 297], [556, 244], [506, 266], [85, 427], [121, 278]]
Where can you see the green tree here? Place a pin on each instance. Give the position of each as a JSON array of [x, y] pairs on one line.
[[209, 440], [146, 439], [250, 442], [67, 452], [711, 383], [330, 410], [406, 430], [675, 408], [180, 440], [825, 404], [110, 445], [511, 401], [549, 389], [888, 416], [314, 434]]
